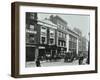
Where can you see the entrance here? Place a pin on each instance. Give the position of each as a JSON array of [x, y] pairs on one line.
[[30, 53], [42, 54]]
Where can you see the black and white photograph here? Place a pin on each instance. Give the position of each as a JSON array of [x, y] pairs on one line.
[[54, 39], [51, 39]]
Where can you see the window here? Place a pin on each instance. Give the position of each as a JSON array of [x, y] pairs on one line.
[[43, 31], [51, 41], [31, 38], [43, 40], [63, 27], [32, 16], [32, 27], [27, 26], [59, 42], [64, 43], [59, 34], [52, 33], [60, 26], [64, 35], [27, 38], [43, 27], [70, 38]]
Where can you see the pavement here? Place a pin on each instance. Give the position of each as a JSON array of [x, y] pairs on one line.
[[53, 63]]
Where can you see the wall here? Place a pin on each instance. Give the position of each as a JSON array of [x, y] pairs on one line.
[[5, 40]]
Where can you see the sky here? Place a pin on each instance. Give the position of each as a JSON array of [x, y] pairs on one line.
[[81, 22]]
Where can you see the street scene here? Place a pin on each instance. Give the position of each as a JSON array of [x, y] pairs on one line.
[[57, 63], [57, 39]]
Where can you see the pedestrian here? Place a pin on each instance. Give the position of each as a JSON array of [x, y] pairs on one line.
[[81, 58], [38, 62]]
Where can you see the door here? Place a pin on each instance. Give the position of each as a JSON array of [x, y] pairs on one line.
[[30, 53]]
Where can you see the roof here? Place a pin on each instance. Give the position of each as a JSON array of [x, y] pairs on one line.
[[48, 23], [72, 32], [60, 19]]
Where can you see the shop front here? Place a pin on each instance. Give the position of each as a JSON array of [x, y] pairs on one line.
[[51, 52], [61, 51], [30, 53], [42, 53]]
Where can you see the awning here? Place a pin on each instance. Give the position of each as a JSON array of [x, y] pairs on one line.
[[41, 47]]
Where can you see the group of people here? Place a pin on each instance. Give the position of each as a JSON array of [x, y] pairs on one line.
[[69, 57], [81, 57]]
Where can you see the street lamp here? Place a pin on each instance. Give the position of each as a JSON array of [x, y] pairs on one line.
[[88, 60]]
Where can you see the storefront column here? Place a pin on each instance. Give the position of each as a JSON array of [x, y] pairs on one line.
[[56, 52], [56, 37], [51, 52], [36, 53], [77, 46], [67, 43]]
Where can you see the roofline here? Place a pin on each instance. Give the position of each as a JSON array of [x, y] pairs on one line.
[[61, 19], [72, 31], [48, 24]]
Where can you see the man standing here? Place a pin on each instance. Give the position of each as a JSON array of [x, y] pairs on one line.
[[81, 58], [38, 62]]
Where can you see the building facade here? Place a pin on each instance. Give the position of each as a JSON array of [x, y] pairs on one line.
[[40, 38], [73, 42], [84, 44], [82, 40], [31, 36], [50, 36], [47, 45], [61, 33]]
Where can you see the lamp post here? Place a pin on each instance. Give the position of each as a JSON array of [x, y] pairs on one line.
[[88, 60]]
